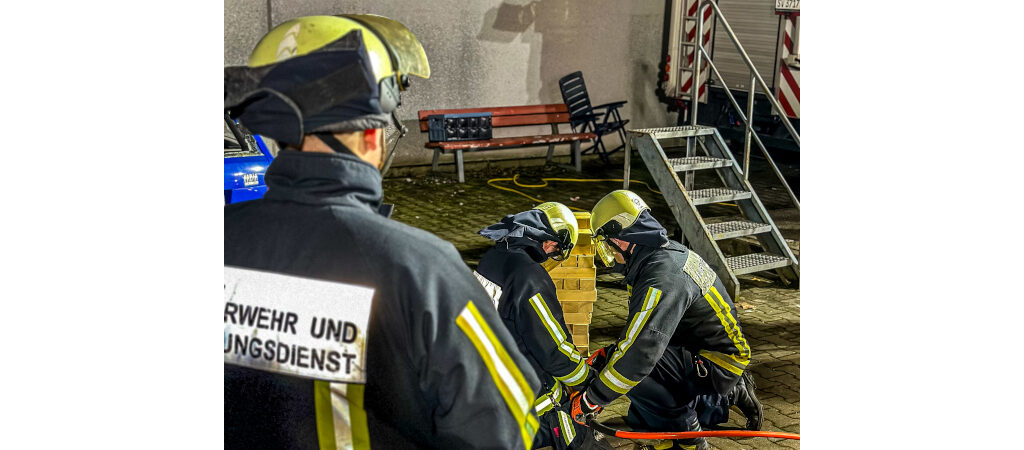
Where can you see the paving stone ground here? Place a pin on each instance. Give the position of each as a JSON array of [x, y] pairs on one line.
[[771, 322]]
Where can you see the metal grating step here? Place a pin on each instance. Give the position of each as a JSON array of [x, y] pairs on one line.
[[674, 132], [755, 262], [715, 195], [698, 163], [736, 228]]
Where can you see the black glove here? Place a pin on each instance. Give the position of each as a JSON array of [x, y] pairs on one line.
[[599, 359]]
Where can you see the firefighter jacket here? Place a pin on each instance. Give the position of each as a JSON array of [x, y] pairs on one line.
[[675, 299], [511, 272], [441, 369]]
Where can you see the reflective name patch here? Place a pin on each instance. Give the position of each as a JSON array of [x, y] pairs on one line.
[[699, 271], [296, 326]]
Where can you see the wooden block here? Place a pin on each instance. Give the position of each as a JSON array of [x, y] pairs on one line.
[[583, 240], [577, 318], [576, 307], [583, 250], [558, 282], [582, 219], [580, 328], [571, 261], [572, 284], [586, 262], [581, 339], [584, 350], [565, 295], [573, 272], [588, 284]]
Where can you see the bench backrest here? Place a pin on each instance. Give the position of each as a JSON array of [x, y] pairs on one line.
[[509, 116]]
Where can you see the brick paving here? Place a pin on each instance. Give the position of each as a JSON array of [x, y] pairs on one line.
[[771, 321]]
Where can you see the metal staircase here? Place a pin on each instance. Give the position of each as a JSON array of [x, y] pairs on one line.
[[701, 235]]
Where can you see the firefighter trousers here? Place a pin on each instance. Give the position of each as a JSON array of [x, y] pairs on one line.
[[674, 396]]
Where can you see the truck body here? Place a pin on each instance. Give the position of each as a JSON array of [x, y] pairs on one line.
[[768, 30]]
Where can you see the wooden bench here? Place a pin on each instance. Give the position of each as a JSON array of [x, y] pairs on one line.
[[510, 116]]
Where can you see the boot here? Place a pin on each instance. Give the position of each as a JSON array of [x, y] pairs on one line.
[[692, 444], [744, 398]]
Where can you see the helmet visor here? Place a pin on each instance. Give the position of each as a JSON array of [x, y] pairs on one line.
[[405, 49], [605, 252]]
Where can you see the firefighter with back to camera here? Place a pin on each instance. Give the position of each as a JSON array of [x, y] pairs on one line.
[[441, 370]]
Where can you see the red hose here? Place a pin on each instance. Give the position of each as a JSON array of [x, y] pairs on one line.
[[691, 434], [711, 433]]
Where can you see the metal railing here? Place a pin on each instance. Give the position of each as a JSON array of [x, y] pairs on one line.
[[755, 81]]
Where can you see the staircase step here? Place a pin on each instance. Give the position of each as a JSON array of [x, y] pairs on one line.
[[715, 195], [674, 132], [698, 163], [755, 262], [736, 228]]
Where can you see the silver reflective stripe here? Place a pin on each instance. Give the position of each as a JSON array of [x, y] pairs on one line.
[[549, 322], [342, 416], [506, 378], [577, 376], [568, 431], [491, 287]]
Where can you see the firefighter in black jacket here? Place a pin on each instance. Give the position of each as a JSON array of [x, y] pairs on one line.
[[524, 295], [682, 340], [441, 371]]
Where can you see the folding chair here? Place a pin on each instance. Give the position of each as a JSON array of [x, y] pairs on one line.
[[600, 120]]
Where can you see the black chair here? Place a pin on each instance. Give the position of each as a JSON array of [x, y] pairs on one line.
[[600, 120]]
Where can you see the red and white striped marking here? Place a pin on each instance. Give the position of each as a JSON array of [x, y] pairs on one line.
[[690, 32], [787, 86]]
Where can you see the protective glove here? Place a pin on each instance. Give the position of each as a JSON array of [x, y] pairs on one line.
[[581, 410], [599, 358]]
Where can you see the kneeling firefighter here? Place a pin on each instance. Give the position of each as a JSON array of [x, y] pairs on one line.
[[439, 369], [683, 344], [513, 273]]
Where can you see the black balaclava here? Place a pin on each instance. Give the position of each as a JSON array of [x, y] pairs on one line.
[[528, 229], [645, 231]]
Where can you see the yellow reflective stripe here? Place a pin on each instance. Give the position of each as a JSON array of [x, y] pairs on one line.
[[324, 415], [553, 328], [576, 377], [637, 324], [729, 323], [568, 431], [340, 416], [735, 367], [547, 401], [504, 372], [360, 426], [613, 384]]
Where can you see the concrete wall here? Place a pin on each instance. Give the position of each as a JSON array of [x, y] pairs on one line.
[[498, 53]]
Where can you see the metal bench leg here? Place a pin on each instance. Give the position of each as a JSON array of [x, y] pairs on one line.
[[551, 147], [577, 156], [458, 162], [437, 153]]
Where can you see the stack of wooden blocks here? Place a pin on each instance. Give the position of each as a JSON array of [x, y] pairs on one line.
[[575, 283]]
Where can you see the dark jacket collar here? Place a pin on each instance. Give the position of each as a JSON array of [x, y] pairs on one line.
[[324, 179], [532, 248], [642, 253]]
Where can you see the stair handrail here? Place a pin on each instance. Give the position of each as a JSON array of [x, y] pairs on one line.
[[755, 76]]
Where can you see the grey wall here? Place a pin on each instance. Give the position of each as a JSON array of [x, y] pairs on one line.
[[498, 53]]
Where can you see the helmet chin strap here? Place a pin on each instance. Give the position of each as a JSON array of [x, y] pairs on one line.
[[334, 143], [625, 253]]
